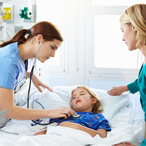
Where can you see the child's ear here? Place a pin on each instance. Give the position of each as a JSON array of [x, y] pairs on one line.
[[94, 99]]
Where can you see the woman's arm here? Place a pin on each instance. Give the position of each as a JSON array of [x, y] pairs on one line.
[[132, 87], [101, 132], [19, 113]]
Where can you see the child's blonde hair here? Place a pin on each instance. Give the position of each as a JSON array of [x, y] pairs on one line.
[[97, 108]]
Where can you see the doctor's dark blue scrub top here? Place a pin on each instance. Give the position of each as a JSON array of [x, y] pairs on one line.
[[12, 68], [140, 85]]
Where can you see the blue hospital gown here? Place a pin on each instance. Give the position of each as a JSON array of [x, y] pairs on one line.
[[88, 119]]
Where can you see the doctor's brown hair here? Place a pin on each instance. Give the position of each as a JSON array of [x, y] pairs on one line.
[[97, 108], [47, 29]]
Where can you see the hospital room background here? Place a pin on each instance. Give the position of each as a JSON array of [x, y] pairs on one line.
[[92, 53]]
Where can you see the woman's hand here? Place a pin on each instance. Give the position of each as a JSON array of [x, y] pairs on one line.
[[115, 91], [124, 144], [63, 112], [38, 83]]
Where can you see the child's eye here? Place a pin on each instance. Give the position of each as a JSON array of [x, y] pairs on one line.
[[73, 98], [82, 94]]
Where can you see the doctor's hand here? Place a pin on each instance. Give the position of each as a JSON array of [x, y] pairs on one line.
[[115, 91], [38, 83], [62, 112]]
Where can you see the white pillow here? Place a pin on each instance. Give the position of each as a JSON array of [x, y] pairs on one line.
[[64, 92], [46, 100], [111, 104]]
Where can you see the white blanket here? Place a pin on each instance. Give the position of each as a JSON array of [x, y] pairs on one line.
[[63, 136]]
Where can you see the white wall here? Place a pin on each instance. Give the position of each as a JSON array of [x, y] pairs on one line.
[[78, 46], [74, 18]]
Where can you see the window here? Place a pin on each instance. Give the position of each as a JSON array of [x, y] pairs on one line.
[[110, 59], [109, 49], [115, 2]]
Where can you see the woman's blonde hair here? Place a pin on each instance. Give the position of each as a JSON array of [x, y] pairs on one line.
[[97, 108], [136, 15]]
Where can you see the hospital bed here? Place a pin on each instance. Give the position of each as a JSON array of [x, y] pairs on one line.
[[123, 112]]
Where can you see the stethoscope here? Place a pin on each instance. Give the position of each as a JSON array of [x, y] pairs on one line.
[[59, 119], [38, 122]]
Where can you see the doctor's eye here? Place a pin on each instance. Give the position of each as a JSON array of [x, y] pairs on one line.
[[52, 47]]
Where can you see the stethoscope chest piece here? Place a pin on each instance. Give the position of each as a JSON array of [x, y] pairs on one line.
[[76, 116]]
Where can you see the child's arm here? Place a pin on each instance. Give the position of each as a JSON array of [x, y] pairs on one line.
[[41, 132], [101, 132]]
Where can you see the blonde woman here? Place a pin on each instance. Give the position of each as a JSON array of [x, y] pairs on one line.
[[89, 119], [133, 26]]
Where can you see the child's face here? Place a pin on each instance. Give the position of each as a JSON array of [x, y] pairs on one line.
[[82, 100]]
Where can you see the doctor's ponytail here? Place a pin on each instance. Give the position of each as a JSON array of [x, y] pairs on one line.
[[47, 29], [18, 37]]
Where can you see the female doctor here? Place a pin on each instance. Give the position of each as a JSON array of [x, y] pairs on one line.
[[133, 26], [13, 57]]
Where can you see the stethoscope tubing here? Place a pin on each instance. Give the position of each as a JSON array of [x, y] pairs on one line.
[[31, 73]]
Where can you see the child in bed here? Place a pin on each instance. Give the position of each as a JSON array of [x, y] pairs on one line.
[[88, 106]]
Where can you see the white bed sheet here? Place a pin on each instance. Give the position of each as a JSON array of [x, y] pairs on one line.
[[126, 125], [62, 136]]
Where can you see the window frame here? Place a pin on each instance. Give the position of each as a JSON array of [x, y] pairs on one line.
[[93, 72]]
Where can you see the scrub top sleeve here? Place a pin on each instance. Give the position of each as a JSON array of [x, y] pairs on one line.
[[133, 87], [8, 74]]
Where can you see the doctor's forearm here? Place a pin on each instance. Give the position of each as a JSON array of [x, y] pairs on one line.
[[20, 113], [15, 112]]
